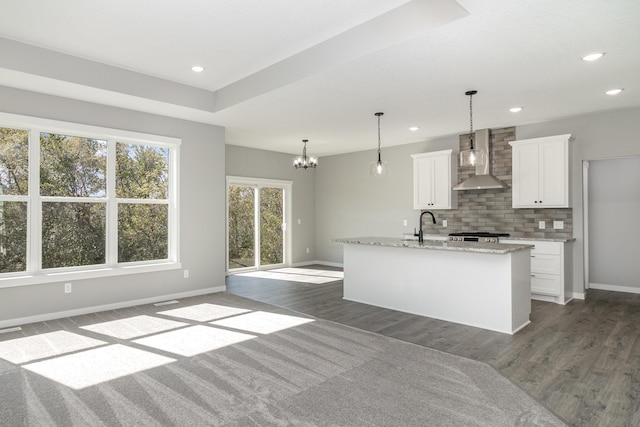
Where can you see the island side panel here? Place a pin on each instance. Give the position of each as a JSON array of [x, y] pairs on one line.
[[469, 288], [521, 288]]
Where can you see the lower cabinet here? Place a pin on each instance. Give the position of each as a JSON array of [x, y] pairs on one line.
[[551, 270]]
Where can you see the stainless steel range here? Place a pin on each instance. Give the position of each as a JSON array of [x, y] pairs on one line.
[[477, 236]]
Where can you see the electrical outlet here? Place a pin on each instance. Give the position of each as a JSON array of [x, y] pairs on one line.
[[67, 288], [404, 222], [186, 274], [541, 225], [299, 221], [444, 222], [558, 225], [307, 250]]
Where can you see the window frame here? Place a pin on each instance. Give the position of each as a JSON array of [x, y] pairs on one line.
[[34, 273]]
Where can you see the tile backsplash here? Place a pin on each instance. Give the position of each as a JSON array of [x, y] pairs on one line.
[[490, 210]]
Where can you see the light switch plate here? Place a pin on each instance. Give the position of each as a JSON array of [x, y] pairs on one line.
[[558, 225]]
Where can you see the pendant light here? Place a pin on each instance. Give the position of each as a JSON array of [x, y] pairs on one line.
[[379, 168], [305, 161], [471, 157]]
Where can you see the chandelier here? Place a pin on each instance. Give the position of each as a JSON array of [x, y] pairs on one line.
[[305, 161]]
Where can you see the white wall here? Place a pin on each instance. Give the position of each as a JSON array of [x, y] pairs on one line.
[[202, 203], [614, 205], [247, 162]]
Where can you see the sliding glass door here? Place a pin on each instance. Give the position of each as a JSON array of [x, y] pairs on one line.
[[257, 236], [241, 219]]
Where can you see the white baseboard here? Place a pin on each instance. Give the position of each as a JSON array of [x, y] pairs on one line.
[[106, 307], [578, 295], [615, 288], [306, 263]]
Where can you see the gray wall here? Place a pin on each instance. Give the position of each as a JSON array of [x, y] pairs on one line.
[[614, 204], [351, 203], [247, 162], [597, 136], [202, 203]]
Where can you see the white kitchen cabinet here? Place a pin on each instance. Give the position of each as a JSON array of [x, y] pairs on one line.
[[541, 172], [551, 270], [432, 177]]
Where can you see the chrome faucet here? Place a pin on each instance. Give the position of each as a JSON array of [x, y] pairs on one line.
[[420, 234]]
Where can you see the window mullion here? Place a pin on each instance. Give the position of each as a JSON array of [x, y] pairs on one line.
[[256, 226], [34, 210], [173, 217], [112, 205]]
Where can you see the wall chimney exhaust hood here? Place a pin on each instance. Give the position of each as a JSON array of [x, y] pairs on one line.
[[482, 180]]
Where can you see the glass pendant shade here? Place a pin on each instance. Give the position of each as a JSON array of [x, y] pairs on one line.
[[305, 161], [472, 157], [379, 168]]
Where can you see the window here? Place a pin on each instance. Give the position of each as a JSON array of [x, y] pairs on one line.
[[85, 201]]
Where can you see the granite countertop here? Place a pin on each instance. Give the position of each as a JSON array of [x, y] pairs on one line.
[[486, 248], [541, 239]]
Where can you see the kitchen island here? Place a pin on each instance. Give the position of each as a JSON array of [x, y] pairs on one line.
[[476, 284]]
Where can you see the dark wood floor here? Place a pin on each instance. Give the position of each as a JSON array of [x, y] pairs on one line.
[[581, 360]]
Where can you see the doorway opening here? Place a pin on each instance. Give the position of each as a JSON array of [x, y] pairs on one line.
[[258, 211], [611, 200]]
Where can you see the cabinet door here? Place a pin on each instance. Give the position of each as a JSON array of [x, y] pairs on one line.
[[553, 174], [441, 188], [423, 183], [525, 176]]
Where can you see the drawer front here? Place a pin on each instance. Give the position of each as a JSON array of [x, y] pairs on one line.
[[545, 264], [546, 284], [550, 248]]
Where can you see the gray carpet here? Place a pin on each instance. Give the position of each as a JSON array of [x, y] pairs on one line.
[[285, 370]]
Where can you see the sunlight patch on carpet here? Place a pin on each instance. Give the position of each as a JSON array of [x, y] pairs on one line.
[[262, 322], [193, 340], [134, 327], [27, 349], [204, 312], [96, 366]]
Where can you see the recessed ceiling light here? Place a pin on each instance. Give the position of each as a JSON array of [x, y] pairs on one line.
[[197, 68], [593, 56], [414, 128], [515, 109], [614, 91]]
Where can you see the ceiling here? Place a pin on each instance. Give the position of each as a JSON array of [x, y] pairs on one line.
[[280, 71]]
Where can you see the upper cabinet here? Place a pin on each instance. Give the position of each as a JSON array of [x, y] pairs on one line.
[[541, 172], [432, 176]]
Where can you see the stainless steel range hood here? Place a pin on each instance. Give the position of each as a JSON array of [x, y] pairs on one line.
[[482, 180]]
